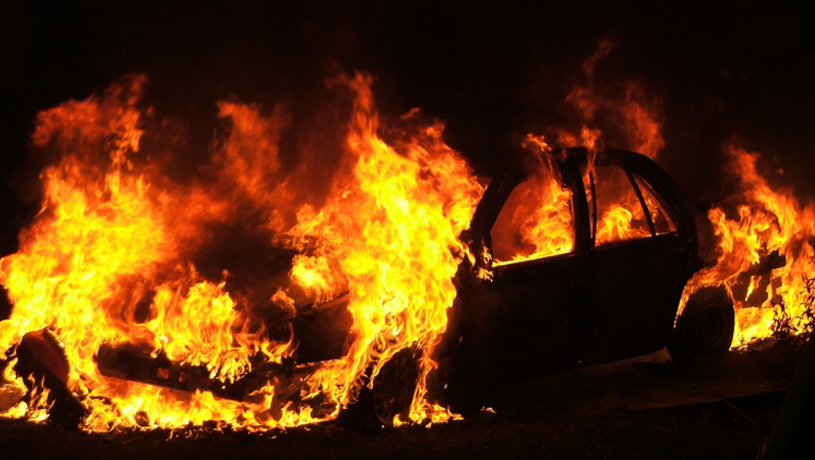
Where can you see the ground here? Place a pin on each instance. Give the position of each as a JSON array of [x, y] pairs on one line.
[[646, 408]]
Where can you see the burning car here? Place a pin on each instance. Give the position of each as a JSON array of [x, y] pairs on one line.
[[624, 240], [591, 271], [146, 302]]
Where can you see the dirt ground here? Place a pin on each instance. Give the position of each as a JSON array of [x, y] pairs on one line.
[[646, 408]]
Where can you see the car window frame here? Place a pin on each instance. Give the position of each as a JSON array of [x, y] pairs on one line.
[[671, 198], [505, 200], [640, 199], [673, 210], [664, 205], [495, 197]]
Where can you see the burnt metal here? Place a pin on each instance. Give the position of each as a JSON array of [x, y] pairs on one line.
[[321, 332], [140, 364], [41, 362], [597, 304], [762, 269], [133, 363], [594, 305], [643, 204]]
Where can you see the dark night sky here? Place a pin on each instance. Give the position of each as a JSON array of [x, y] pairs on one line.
[[724, 68]]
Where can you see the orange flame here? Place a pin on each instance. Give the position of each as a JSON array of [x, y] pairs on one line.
[[621, 112], [111, 257], [536, 221], [767, 221], [114, 233]]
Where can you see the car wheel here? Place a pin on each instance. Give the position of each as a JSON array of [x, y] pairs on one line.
[[705, 327], [391, 395]]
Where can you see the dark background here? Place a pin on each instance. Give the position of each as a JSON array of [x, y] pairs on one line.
[[724, 69]]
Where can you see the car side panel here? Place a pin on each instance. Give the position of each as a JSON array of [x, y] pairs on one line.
[[525, 323], [637, 287]]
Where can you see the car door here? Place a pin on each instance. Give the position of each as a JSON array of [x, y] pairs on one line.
[[639, 264], [522, 322]]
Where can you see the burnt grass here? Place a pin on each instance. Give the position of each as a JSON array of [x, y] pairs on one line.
[[646, 408]]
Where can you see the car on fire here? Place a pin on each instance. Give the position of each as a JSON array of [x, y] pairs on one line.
[[609, 288], [606, 298]]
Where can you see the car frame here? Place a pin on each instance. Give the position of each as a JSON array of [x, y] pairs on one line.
[[596, 304]]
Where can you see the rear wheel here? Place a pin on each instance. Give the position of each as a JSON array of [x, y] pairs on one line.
[[705, 327]]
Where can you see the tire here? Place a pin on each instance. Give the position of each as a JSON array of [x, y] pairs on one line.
[[705, 327], [391, 395]]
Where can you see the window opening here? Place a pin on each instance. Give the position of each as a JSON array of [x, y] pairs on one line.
[[535, 222], [618, 209], [642, 203], [662, 221]]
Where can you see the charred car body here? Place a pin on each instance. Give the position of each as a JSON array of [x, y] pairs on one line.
[[598, 297], [608, 298]]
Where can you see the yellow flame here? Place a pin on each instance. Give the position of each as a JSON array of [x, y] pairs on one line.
[[768, 220], [115, 235]]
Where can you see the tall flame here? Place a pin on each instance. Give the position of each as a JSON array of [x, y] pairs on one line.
[[115, 235], [536, 220], [398, 248], [118, 252], [766, 221], [620, 112]]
